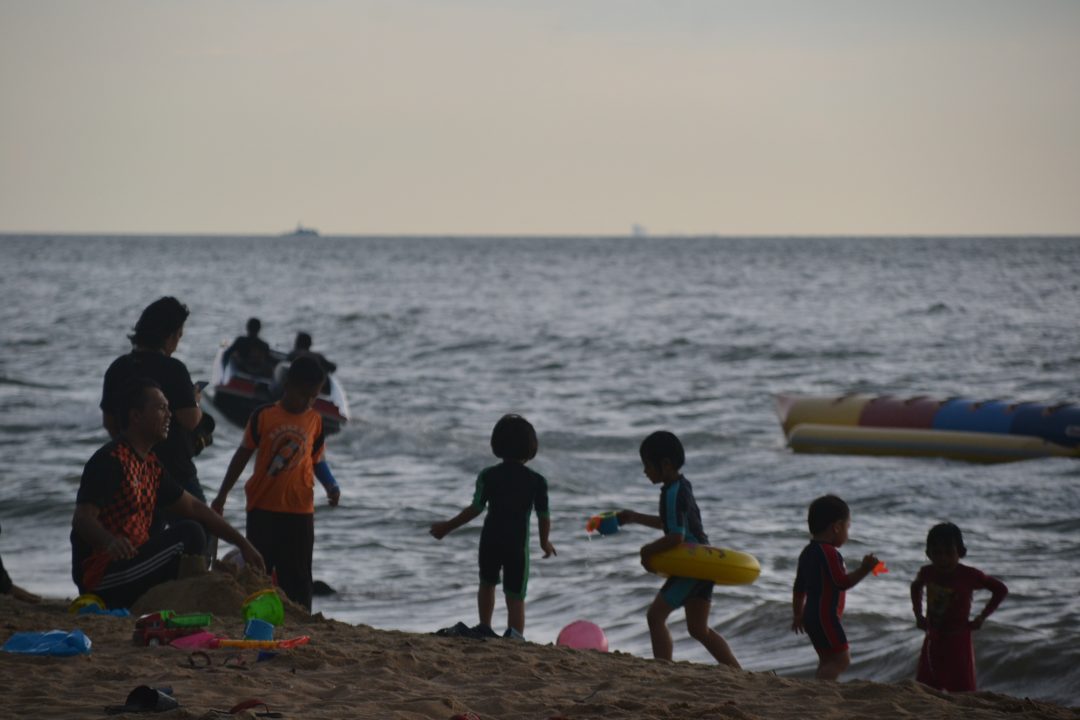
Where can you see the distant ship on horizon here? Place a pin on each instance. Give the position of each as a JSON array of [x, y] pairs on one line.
[[302, 231]]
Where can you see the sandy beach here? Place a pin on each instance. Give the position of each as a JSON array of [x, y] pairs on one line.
[[351, 671]]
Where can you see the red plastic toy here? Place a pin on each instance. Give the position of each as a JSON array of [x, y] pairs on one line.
[[162, 627]]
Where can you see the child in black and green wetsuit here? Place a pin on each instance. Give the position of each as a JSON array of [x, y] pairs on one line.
[[510, 491]]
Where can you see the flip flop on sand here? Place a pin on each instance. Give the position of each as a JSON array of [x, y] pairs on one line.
[[197, 660], [251, 704], [477, 632], [146, 699], [236, 662]]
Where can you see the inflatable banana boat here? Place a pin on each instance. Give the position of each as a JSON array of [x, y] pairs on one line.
[[989, 431]]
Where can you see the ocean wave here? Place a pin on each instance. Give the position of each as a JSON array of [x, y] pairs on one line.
[[18, 382]]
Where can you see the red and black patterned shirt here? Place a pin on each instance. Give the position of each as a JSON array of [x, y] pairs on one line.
[[126, 488]]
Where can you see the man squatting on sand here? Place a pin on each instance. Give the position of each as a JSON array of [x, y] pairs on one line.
[[113, 554]]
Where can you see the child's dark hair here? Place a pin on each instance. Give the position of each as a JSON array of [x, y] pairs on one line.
[[824, 511], [943, 535], [514, 438], [158, 321], [133, 397], [306, 372], [662, 445]]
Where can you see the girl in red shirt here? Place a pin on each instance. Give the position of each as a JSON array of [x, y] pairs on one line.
[[947, 660]]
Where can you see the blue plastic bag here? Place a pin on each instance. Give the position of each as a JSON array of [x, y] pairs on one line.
[[54, 642]]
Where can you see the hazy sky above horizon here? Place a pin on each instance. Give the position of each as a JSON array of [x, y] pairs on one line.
[[560, 116]]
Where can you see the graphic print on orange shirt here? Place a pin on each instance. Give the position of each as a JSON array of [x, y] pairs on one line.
[[287, 446]]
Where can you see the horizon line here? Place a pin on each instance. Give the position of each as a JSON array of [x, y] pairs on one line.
[[551, 236]]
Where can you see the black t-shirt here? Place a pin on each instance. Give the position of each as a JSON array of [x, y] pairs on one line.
[[172, 375], [127, 489], [251, 354], [510, 491]]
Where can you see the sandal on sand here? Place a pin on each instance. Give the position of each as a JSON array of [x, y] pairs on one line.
[[197, 660], [251, 704], [236, 662], [145, 699]]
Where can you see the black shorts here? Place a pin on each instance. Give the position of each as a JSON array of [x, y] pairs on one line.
[[512, 561], [286, 541]]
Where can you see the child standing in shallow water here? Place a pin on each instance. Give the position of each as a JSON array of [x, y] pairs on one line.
[[287, 440], [510, 491], [947, 660], [820, 583]]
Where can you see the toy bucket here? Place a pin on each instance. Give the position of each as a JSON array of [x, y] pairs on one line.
[[605, 523], [258, 630], [265, 605]]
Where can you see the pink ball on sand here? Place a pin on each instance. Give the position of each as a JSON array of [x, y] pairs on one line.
[[583, 635]]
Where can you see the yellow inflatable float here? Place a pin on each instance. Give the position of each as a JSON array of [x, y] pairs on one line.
[[720, 565]]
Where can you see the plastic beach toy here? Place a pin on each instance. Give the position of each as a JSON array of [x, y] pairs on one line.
[[95, 609], [723, 566], [258, 630], [606, 523], [195, 641], [165, 626], [86, 600], [583, 635], [261, 644], [264, 605], [54, 642]]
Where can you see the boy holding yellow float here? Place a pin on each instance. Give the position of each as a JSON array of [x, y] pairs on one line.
[[662, 457]]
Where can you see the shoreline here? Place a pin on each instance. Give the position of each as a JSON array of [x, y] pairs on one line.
[[361, 672]]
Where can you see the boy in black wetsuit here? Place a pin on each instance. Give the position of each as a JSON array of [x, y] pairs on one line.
[[510, 491], [662, 458]]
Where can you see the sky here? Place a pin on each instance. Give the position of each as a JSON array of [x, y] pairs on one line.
[[569, 117]]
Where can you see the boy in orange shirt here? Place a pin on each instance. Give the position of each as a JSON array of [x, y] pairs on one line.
[[289, 442]]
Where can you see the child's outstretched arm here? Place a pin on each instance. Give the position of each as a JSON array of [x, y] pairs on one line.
[[916, 601], [545, 531], [627, 517], [855, 577], [326, 479], [440, 530], [999, 591], [232, 474]]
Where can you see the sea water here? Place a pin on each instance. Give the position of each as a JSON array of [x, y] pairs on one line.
[[598, 341]]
